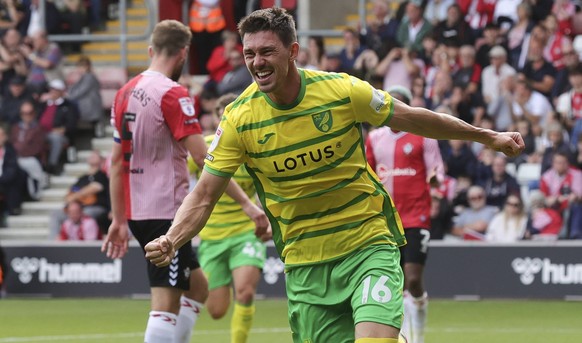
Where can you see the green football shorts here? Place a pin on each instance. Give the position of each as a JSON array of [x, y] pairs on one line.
[[219, 258], [327, 300]]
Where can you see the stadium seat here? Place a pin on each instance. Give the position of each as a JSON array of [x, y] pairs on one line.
[[111, 79], [528, 172]]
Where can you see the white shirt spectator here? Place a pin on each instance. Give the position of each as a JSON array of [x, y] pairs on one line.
[[436, 10], [538, 105], [491, 80]]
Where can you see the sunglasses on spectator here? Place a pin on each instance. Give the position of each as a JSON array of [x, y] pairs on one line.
[[476, 197], [514, 204]]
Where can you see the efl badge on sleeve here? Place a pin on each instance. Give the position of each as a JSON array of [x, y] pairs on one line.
[[187, 106]]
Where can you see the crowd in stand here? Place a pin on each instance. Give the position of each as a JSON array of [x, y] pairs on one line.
[[503, 65], [40, 112]]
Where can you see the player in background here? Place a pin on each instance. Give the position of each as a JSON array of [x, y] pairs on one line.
[[298, 132], [155, 127], [230, 253], [408, 165]]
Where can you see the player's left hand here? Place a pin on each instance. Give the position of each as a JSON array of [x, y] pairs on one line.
[[258, 216], [509, 143], [160, 251]]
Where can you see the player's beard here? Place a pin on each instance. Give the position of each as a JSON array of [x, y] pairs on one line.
[[177, 72]]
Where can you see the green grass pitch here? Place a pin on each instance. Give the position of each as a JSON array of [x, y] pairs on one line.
[[123, 320]]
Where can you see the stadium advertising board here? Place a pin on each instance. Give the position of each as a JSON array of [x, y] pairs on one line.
[[81, 270], [463, 270], [525, 270]]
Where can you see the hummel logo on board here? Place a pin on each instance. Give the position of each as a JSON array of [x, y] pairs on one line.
[[266, 138]]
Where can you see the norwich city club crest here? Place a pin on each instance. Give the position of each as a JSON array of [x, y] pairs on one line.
[[323, 121]]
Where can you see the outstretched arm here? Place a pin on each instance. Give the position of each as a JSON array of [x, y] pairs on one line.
[[192, 216], [430, 124]]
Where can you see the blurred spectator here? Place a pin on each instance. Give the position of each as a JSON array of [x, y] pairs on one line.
[[435, 11], [58, 118], [218, 63], [365, 68], [557, 144], [472, 222], [494, 73], [491, 38], [86, 94], [478, 13], [571, 62], [351, 50], [569, 104], [303, 59], [459, 159], [207, 23], [317, 52], [11, 13], [441, 217], [510, 224], [505, 14], [399, 68], [91, 190], [556, 44], [537, 71], [32, 22], [236, 80], [562, 187], [44, 61], [468, 76], [205, 104], [531, 105], [332, 62], [544, 223], [518, 36], [500, 186], [564, 11], [483, 172], [466, 106], [441, 90], [453, 28], [29, 141], [16, 95], [381, 29], [74, 19], [12, 61], [12, 181], [412, 30], [529, 154], [417, 89], [497, 86], [78, 226], [578, 159]]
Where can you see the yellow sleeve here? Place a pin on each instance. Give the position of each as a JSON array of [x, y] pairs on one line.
[[226, 152], [369, 104]]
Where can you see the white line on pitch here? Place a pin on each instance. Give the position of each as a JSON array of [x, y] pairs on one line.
[[127, 335]]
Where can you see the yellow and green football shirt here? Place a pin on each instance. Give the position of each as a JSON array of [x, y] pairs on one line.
[[309, 166], [228, 218]]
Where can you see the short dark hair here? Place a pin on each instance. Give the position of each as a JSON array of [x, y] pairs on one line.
[[575, 70], [273, 19], [169, 37]]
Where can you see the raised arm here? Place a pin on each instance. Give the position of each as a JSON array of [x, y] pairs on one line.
[[430, 124]]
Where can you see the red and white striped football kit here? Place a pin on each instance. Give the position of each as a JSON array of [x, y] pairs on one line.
[[154, 113], [403, 161]]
